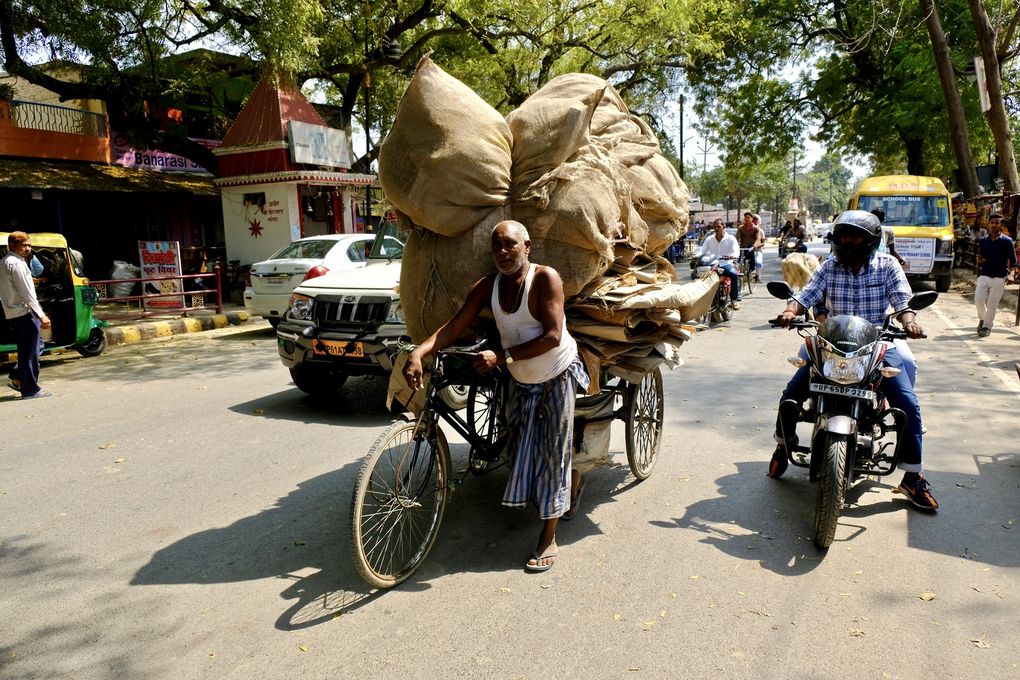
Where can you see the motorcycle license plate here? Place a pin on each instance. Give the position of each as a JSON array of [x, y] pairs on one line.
[[338, 348], [842, 391]]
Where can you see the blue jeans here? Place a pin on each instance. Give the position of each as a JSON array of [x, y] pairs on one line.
[[729, 271], [897, 390], [26, 334]]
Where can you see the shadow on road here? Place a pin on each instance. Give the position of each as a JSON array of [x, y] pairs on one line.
[[304, 540], [772, 522], [361, 403]]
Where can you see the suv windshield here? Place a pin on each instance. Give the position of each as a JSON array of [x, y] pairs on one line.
[[389, 242], [909, 211]]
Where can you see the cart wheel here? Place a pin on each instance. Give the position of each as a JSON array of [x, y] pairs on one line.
[[398, 503], [486, 412], [644, 424]]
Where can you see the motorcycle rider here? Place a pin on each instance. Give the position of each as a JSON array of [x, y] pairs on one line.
[[862, 282], [724, 247]]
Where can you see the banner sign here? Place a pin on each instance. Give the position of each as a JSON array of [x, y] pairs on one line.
[[161, 258], [919, 254], [318, 145], [149, 159]]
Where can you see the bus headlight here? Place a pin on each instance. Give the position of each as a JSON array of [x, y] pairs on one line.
[[945, 247]]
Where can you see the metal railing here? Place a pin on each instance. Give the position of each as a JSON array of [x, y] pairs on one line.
[[53, 118], [191, 300]]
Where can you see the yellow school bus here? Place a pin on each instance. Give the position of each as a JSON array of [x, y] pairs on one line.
[[918, 210]]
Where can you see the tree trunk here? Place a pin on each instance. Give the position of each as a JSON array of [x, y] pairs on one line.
[[954, 105], [997, 120], [915, 156]]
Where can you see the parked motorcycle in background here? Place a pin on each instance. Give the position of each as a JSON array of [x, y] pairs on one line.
[[853, 424]]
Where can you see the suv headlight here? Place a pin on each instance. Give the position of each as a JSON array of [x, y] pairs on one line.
[[844, 370], [300, 307], [395, 313]]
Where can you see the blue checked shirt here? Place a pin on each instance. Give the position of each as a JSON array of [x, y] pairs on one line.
[[880, 284]]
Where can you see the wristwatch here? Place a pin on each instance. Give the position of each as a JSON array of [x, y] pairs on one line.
[[506, 355]]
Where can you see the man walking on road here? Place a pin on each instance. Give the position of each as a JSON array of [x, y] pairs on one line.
[[995, 256], [24, 314]]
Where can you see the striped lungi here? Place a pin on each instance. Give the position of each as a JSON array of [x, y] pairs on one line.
[[541, 425]]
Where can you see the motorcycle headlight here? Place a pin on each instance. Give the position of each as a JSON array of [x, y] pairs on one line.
[[395, 313], [844, 370], [300, 307]]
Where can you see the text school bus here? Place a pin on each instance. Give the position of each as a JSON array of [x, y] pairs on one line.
[[918, 209]]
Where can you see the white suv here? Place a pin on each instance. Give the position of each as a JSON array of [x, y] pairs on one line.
[[345, 323]]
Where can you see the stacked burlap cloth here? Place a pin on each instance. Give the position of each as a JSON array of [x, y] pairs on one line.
[[584, 175]]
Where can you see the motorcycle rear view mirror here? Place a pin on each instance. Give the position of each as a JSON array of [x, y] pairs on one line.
[[779, 289], [923, 299]]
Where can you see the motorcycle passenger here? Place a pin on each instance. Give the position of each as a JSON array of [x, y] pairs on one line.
[[724, 247], [863, 282]]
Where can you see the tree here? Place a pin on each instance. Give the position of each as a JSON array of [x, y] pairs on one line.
[[954, 104], [993, 53]]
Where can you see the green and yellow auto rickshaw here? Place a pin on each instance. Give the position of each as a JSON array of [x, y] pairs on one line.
[[65, 296]]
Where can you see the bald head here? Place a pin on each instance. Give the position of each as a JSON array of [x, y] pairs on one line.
[[511, 244], [512, 228]]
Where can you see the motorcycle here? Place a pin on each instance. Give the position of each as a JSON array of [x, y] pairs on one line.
[[722, 307], [852, 421], [791, 245]]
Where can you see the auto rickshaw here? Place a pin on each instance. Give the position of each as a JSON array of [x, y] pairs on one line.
[[65, 296]]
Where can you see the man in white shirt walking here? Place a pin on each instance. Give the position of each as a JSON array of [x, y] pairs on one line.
[[24, 314], [725, 247]]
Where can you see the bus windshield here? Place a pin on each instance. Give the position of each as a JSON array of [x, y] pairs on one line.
[[909, 211]]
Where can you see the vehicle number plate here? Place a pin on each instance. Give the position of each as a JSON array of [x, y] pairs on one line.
[[338, 348], [843, 391], [276, 281]]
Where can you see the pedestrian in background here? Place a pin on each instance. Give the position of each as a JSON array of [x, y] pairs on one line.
[[23, 312], [995, 257]]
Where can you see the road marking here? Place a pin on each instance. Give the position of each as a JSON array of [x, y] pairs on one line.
[[1004, 377]]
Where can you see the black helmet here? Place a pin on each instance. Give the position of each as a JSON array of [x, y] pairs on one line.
[[860, 222]]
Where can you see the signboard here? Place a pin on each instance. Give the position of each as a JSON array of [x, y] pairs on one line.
[[161, 258], [919, 254], [318, 145], [149, 159]]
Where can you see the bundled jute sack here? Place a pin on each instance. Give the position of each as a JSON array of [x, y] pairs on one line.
[[446, 161], [548, 130], [437, 272], [661, 198]]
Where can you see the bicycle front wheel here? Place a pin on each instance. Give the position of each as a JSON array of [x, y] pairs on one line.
[[749, 277], [398, 503]]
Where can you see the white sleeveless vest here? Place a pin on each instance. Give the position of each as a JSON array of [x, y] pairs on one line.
[[519, 326]]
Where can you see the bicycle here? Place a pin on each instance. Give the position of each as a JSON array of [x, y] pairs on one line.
[[747, 263], [407, 476]]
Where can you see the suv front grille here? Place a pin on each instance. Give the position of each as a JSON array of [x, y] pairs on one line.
[[342, 312]]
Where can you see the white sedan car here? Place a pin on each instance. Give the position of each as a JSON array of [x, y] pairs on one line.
[[273, 280]]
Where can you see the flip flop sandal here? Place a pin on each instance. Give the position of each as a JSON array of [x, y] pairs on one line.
[[575, 504], [14, 386], [540, 567]]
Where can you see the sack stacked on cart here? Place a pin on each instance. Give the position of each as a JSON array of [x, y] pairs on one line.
[[572, 164]]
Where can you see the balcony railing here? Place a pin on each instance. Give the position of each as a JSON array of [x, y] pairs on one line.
[[39, 116]]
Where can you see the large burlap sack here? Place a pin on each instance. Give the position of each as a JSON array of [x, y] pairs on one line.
[[437, 272], [548, 129], [661, 198], [573, 217], [446, 161]]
